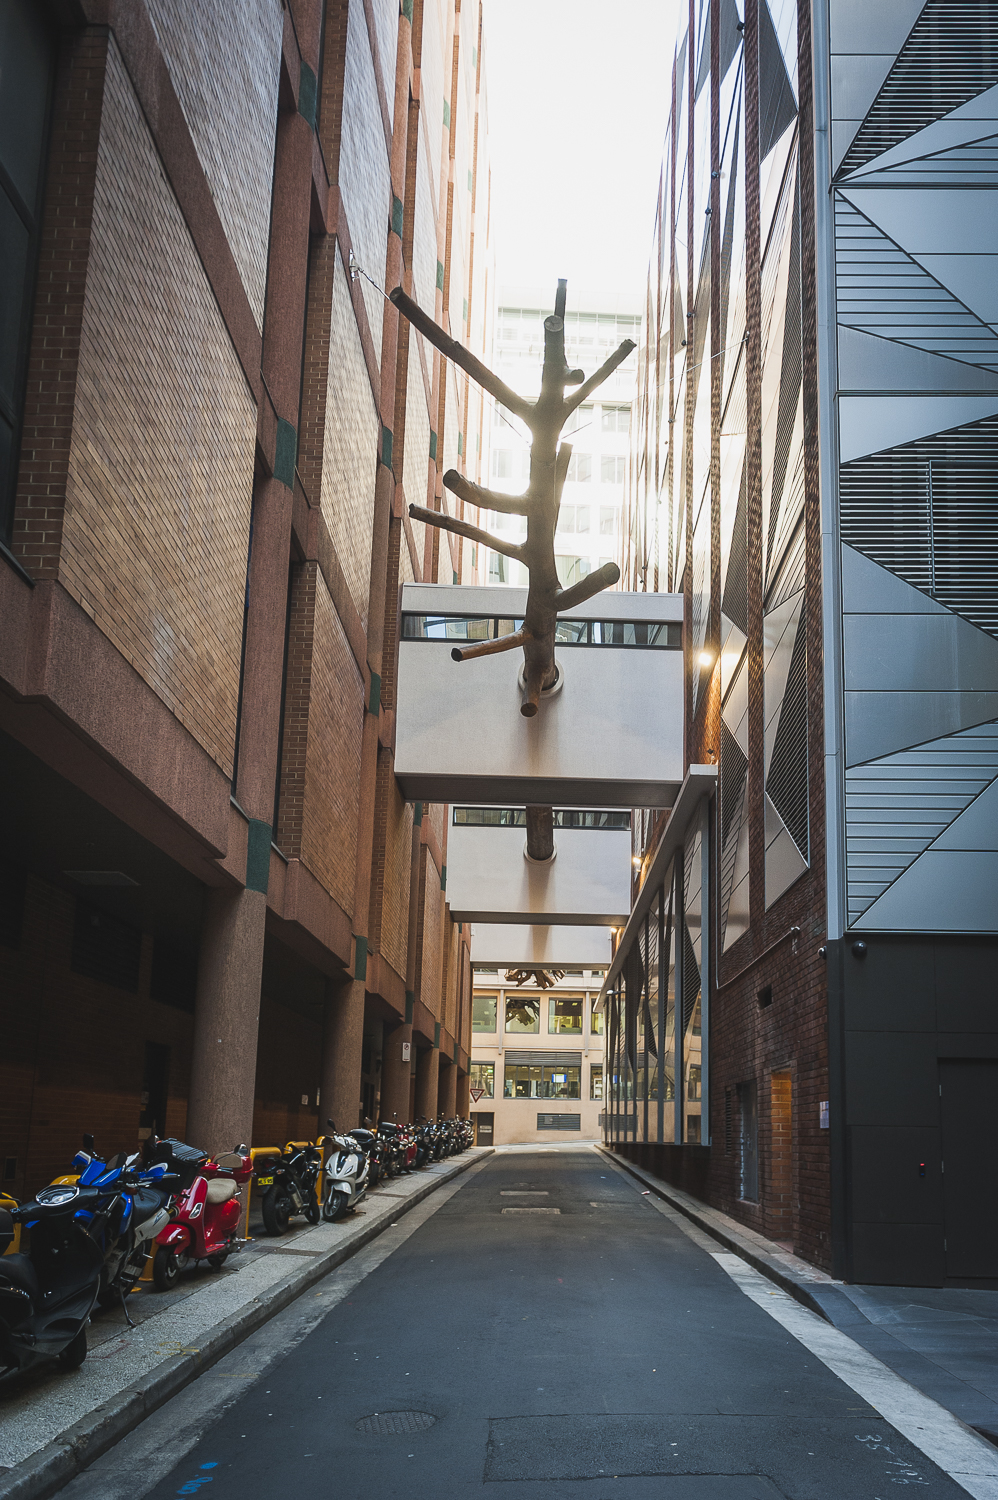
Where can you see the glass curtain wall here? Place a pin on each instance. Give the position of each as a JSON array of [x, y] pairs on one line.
[[641, 1020]]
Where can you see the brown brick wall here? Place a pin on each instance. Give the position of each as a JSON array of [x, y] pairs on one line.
[[159, 487], [389, 926], [224, 62], [323, 728]]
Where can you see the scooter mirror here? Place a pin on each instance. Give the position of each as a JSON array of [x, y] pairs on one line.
[[88, 1144], [331, 1124]]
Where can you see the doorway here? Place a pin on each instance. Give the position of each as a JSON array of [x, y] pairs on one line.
[[484, 1128], [969, 1102], [779, 1195], [155, 1090]]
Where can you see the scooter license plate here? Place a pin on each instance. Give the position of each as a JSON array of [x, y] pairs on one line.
[[265, 1182]]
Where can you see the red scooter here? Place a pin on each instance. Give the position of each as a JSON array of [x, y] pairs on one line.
[[207, 1210]]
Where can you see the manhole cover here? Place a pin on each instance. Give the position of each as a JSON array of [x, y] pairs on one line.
[[388, 1422]]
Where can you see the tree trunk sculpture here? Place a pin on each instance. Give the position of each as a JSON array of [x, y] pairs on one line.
[[546, 598]]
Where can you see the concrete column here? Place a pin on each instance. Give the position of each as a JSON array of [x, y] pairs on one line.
[[447, 1089], [226, 1020], [395, 1075], [342, 1045], [427, 1079]]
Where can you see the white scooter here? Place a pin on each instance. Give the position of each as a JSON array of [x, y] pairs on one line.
[[345, 1178]]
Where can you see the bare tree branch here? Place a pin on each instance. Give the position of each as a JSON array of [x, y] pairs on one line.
[[462, 528], [617, 358], [459, 354], [586, 587], [476, 494], [490, 648]]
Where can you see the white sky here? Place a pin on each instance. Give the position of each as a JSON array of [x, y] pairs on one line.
[[577, 100]]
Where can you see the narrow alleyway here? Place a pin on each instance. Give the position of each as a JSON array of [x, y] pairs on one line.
[[549, 1331]]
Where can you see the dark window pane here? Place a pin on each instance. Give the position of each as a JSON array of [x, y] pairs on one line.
[[15, 246], [25, 63]]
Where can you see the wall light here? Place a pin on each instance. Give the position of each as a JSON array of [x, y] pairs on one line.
[[706, 658], [636, 861]]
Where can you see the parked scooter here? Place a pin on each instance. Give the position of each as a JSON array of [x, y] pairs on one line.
[[130, 1207], [206, 1218], [47, 1295], [291, 1180], [346, 1179]]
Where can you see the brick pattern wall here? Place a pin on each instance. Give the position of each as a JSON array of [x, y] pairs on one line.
[[159, 488], [50, 395], [351, 442], [364, 180], [389, 924], [224, 62]]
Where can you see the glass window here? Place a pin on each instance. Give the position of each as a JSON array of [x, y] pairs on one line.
[[612, 469], [565, 1014], [26, 62], [616, 418], [483, 1076], [483, 1012], [523, 1013], [596, 1081], [572, 569], [582, 518], [580, 468], [548, 1080], [596, 1021], [636, 633], [608, 515], [572, 632], [502, 464], [566, 518]]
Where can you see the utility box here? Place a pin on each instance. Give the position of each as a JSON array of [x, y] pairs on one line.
[[610, 734], [491, 879]]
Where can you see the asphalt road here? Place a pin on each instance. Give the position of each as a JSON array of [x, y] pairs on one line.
[[545, 1333]]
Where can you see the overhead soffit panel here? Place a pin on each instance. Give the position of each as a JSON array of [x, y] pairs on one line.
[[512, 944], [872, 424], [588, 882], [870, 363]]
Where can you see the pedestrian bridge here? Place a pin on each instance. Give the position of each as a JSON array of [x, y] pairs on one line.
[[609, 733]]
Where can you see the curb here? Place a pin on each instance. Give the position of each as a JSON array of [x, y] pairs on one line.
[[43, 1473], [734, 1239]]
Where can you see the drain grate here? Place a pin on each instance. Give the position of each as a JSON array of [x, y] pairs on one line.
[[391, 1423]]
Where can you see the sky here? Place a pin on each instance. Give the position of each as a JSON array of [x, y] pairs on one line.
[[577, 101]]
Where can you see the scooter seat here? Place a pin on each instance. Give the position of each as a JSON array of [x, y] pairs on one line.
[[220, 1190], [18, 1271], [147, 1201]]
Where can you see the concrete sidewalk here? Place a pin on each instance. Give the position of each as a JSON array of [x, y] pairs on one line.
[[943, 1341], [53, 1424]]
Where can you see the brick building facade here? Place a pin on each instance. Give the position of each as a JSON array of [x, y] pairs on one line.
[[802, 1011], [219, 917]]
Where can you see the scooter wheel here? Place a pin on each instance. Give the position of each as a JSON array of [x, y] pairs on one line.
[[313, 1213], [165, 1269], [276, 1212], [334, 1206], [108, 1296], [75, 1353], [218, 1261]]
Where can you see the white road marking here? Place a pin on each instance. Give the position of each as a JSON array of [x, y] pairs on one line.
[[970, 1461]]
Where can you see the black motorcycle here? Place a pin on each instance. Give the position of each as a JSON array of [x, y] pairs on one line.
[[47, 1295], [290, 1181]]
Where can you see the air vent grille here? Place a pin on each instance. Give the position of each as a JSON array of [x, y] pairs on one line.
[[951, 56]]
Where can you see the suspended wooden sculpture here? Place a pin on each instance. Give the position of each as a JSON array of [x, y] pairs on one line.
[[546, 598]]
